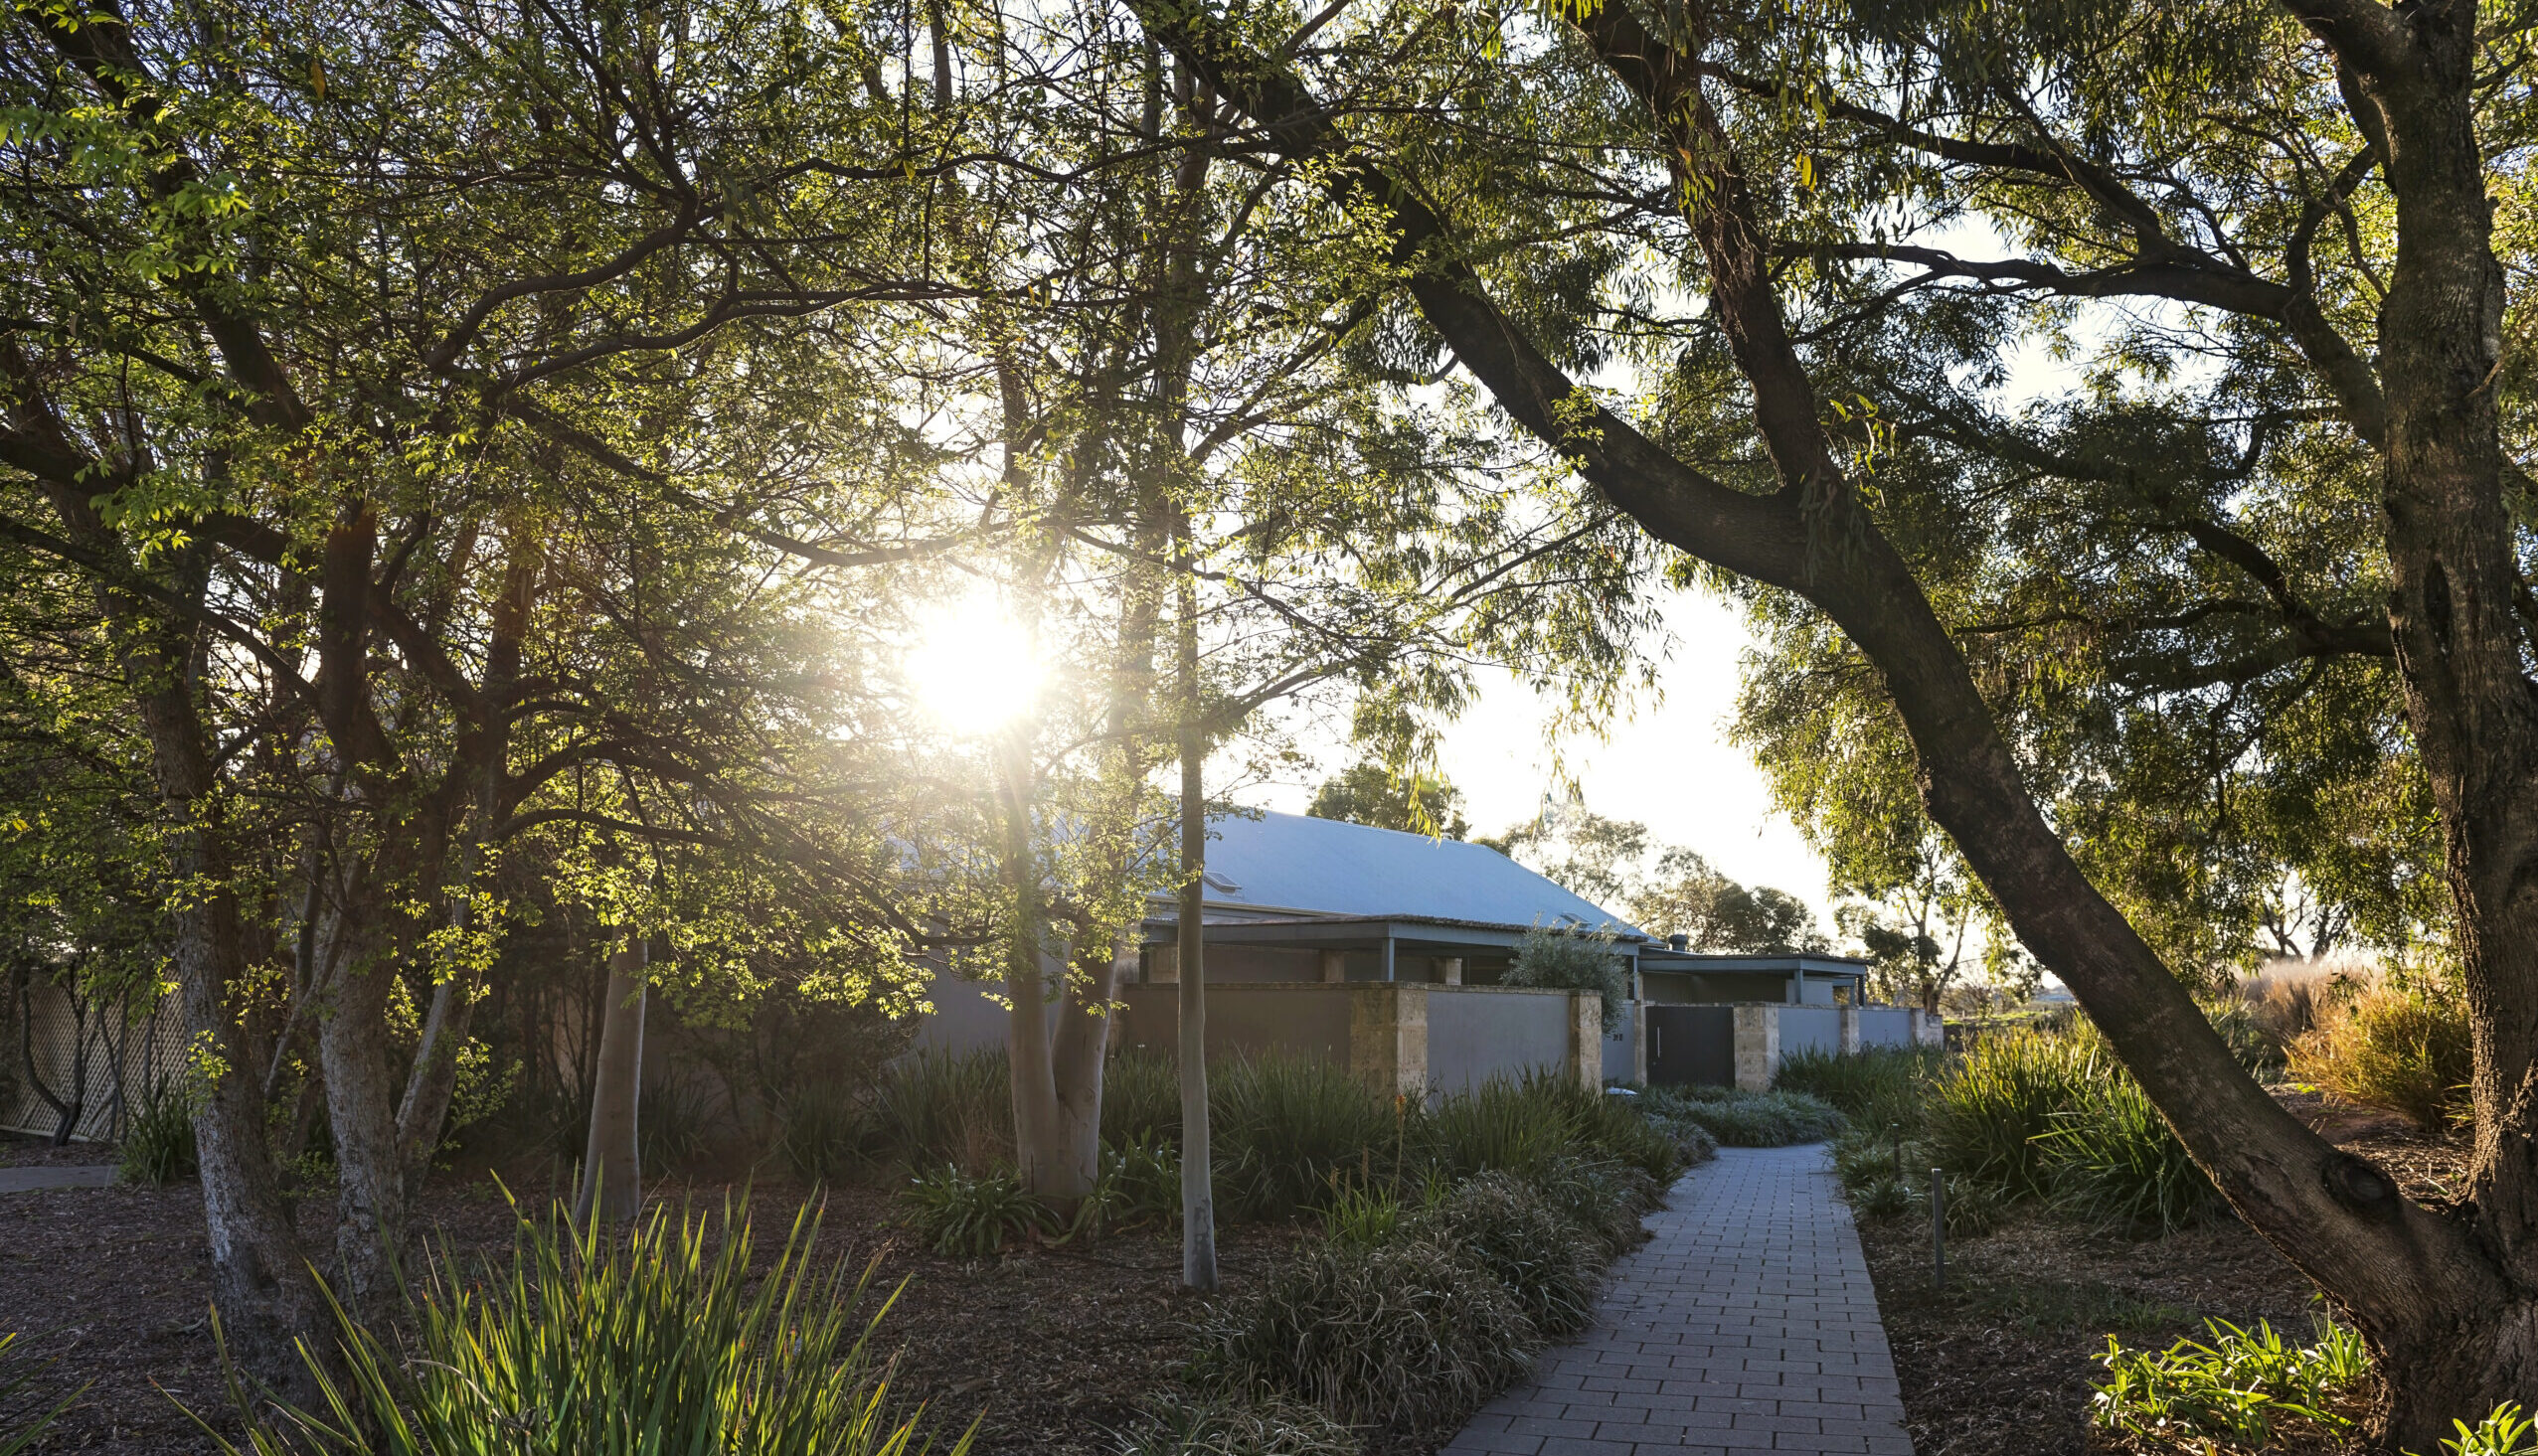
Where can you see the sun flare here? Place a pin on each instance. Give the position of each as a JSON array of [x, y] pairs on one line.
[[972, 666]]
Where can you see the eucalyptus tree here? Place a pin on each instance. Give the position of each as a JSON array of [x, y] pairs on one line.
[[2323, 507], [407, 390], [1193, 433]]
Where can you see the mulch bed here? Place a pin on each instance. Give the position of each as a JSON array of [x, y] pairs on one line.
[[2000, 1363], [1051, 1349]]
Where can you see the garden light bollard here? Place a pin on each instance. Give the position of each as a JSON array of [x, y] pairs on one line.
[[1939, 1229], [1895, 1134]]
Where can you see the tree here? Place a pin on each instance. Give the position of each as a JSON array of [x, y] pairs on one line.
[[1585, 851], [1685, 896], [1371, 793], [419, 406], [1729, 125]]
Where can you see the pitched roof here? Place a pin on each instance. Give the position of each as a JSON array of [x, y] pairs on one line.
[[1326, 867]]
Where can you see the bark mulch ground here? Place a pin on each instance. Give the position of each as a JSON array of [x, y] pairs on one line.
[[1053, 1348], [2000, 1363]]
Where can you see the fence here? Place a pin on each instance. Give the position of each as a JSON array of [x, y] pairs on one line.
[[87, 1061], [1741, 1045]]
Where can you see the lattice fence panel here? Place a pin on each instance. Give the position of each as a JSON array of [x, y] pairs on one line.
[[96, 1058]]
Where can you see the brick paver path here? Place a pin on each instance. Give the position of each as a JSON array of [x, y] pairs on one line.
[[1746, 1324]]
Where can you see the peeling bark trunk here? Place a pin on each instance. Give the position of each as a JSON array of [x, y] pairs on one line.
[[611, 1188]]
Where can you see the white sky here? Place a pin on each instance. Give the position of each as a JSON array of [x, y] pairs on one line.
[[1670, 766]]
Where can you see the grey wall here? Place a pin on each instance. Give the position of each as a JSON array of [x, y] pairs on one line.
[[1884, 1025], [1477, 1033], [1810, 1028], [963, 1019], [1621, 1049], [1302, 1018]]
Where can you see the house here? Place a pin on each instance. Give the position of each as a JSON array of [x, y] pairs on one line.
[[1388, 950]]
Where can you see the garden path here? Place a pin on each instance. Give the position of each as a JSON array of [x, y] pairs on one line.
[[44, 1176], [1746, 1324]]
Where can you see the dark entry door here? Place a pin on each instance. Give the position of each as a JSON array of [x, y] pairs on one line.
[[1692, 1046]]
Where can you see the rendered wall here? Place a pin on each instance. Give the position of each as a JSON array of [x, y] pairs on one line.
[[1810, 1028], [1478, 1033], [1884, 1025]]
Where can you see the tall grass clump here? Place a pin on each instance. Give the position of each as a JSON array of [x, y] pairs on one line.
[[1514, 1125], [1284, 1127], [822, 1129], [2400, 1050], [158, 1139], [2006, 1093], [2109, 1159], [588, 1346], [937, 1108], [1141, 1098], [1402, 1339], [1875, 1084]]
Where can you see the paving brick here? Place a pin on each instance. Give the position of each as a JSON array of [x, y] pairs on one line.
[[1746, 1327]]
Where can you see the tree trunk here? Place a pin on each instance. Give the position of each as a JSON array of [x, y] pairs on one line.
[[1076, 1063], [613, 1158], [1040, 1149], [356, 1062], [1198, 1181]]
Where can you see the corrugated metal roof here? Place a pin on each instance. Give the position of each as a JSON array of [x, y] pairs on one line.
[[1324, 867]]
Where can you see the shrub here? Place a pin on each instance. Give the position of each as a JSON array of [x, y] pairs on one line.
[[1141, 1098], [2406, 1052], [2110, 1158], [1742, 1119], [2236, 1389], [1140, 1184], [1204, 1427], [1284, 1126], [933, 1109], [1603, 1199], [971, 1215], [1618, 1129], [1510, 1231], [1564, 960], [1985, 1117], [158, 1139], [658, 1341], [1402, 1339]]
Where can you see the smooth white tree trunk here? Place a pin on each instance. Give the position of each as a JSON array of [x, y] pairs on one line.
[[611, 1160]]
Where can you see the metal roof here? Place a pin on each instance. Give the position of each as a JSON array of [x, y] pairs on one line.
[[1295, 864]]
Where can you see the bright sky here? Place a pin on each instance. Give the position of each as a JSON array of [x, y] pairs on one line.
[[1670, 767]]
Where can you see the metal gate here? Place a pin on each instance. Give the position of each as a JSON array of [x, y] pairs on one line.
[[1692, 1046]]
